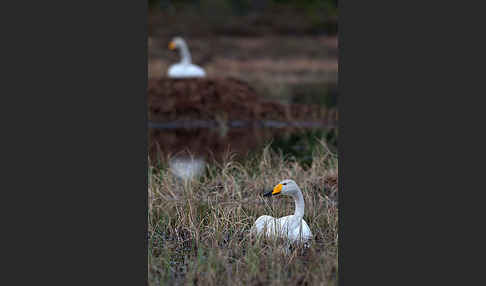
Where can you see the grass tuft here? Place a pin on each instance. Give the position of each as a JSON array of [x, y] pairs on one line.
[[199, 230]]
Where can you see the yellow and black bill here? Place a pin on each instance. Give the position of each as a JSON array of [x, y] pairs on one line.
[[172, 46], [276, 190]]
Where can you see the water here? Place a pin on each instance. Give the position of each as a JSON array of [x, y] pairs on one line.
[[207, 140], [191, 124]]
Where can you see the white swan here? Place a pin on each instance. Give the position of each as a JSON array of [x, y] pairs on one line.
[[292, 227], [183, 69], [186, 168]]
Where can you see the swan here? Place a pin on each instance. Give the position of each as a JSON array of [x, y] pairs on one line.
[[292, 227], [186, 168], [183, 69]]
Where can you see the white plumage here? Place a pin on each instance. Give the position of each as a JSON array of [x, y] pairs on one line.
[[186, 168], [185, 68], [292, 227], [185, 71]]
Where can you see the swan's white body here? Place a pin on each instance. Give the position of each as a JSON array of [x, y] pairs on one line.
[[185, 68], [185, 71], [292, 227], [186, 168]]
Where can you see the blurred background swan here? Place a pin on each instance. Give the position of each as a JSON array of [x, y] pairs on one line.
[[186, 168], [292, 227], [184, 68]]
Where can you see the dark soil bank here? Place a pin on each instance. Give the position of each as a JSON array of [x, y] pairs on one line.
[[222, 99]]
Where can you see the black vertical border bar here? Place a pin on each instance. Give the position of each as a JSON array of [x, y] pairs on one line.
[[145, 137], [82, 89], [340, 143]]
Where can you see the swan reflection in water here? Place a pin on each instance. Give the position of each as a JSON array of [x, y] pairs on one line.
[[187, 168]]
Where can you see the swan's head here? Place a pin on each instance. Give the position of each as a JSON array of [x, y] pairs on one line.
[[176, 43], [285, 187]]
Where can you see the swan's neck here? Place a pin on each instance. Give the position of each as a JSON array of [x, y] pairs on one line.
[[299, 208], [185, 55]]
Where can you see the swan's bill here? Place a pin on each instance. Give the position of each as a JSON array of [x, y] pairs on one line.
[[275, 191], [172, 46]]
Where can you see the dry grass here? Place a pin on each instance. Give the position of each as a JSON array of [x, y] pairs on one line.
[[199, 230]]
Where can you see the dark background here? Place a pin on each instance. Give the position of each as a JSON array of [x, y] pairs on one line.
[[78, 215]]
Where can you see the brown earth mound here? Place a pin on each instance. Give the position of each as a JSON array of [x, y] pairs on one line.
[[221, 99]]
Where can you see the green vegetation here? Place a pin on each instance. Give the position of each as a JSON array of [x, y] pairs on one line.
[[199, 231], [301, 146]]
